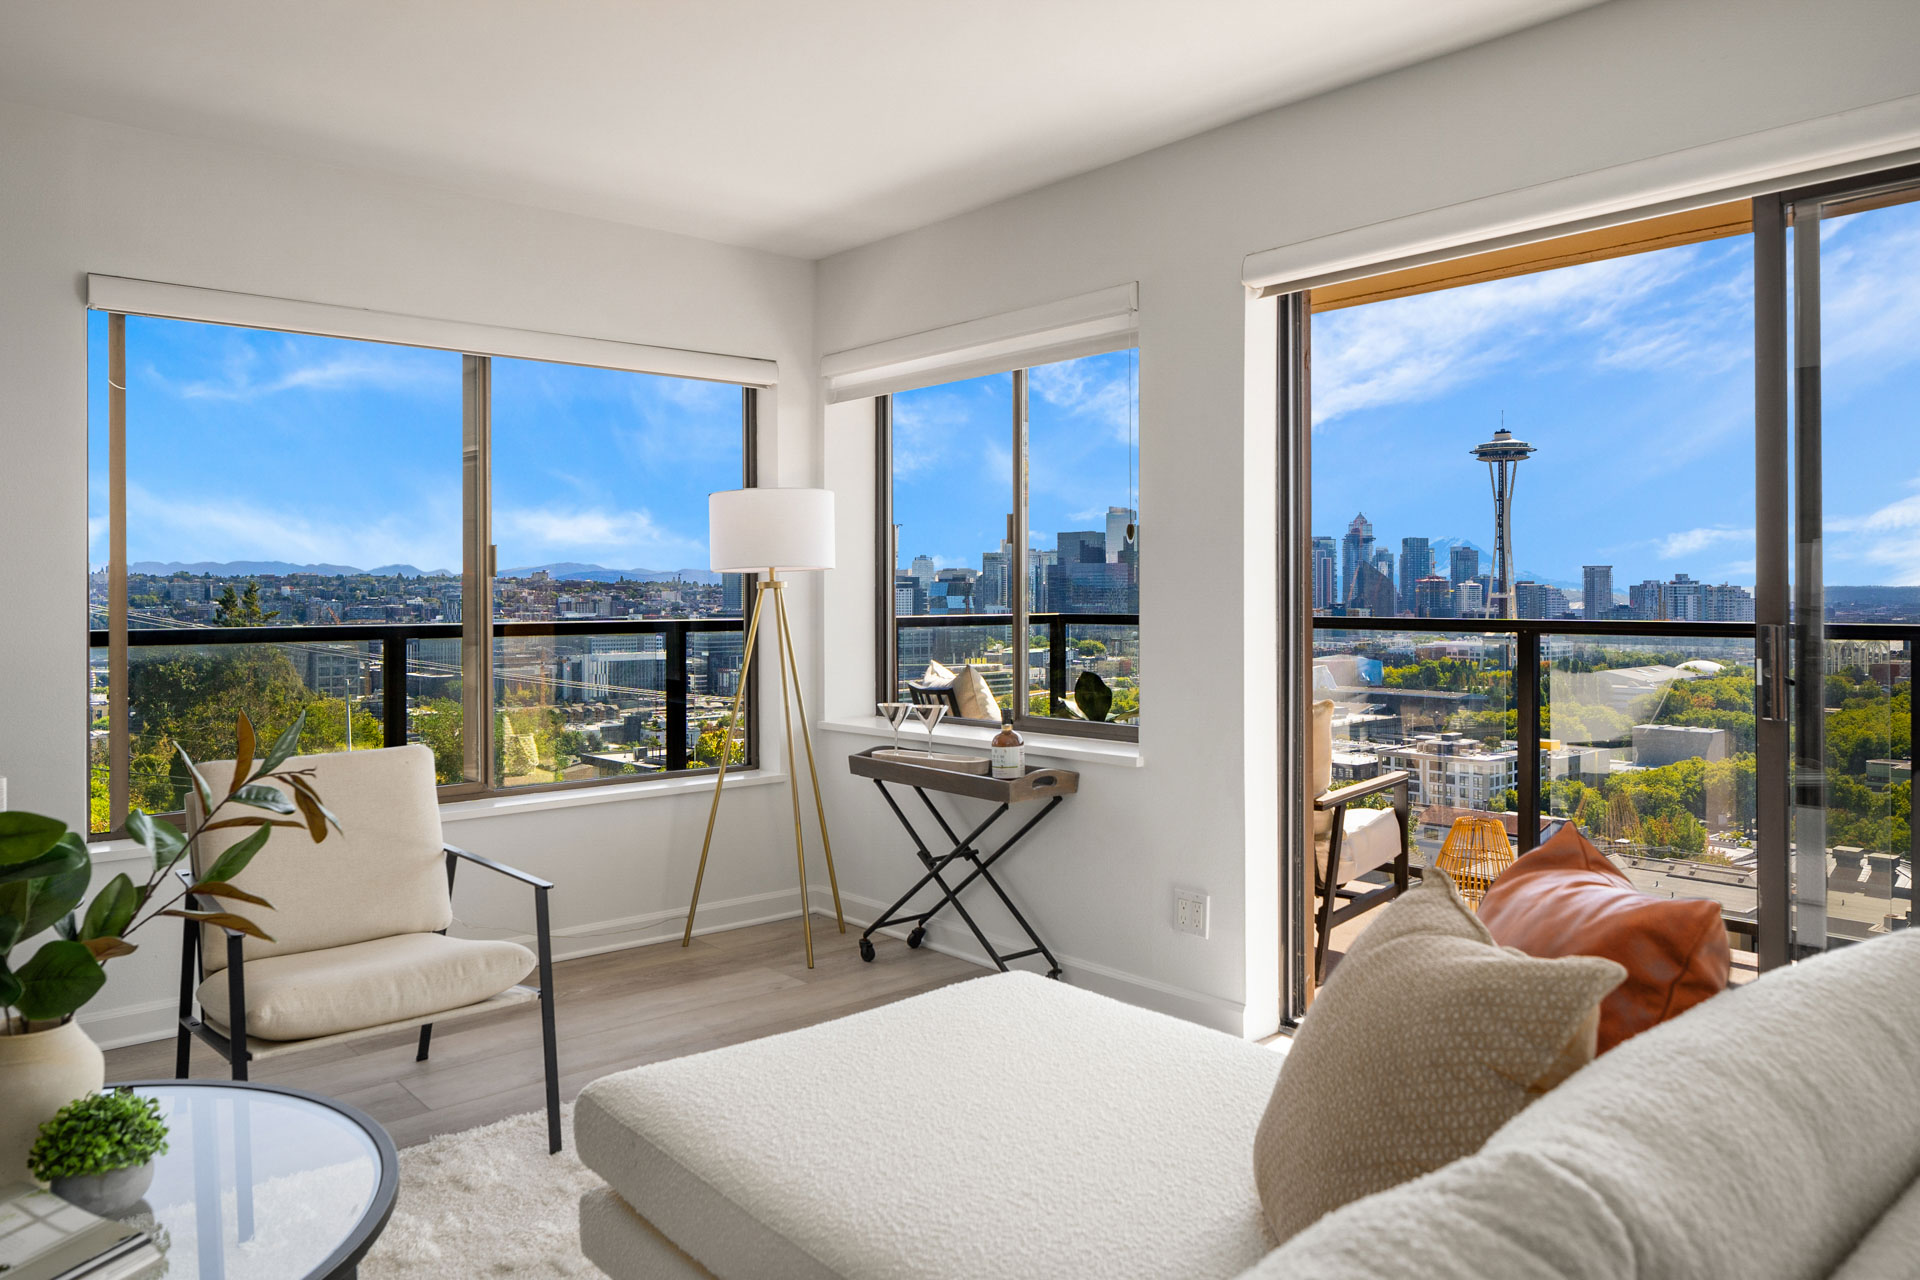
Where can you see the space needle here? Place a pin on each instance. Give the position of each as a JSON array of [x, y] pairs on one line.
[[1503, 456]]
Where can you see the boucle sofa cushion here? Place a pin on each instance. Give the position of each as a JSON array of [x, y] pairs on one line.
[[1892, 1248], [1008, 1126], [1427, 1038], [367, 984], [1566, 899], [1756, 1136]]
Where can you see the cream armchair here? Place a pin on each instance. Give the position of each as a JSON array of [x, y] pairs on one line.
[[1349, 842], [359, 928]]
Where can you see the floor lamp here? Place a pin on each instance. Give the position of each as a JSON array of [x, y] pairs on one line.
[[766, 531]]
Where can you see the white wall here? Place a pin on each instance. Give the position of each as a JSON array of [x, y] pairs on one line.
[[1625, 83], [79, 197]]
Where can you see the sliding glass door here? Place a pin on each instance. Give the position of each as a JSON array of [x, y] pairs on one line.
[[1853, 287], [1689, 631]]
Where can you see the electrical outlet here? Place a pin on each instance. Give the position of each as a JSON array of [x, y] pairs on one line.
[[1190, 911]]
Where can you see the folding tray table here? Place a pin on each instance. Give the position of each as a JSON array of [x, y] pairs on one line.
[[1050, 785]]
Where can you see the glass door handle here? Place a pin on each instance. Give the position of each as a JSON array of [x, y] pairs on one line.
[[1770, 678]]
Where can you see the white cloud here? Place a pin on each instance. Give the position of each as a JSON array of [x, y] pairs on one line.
[[616, 539], [1689, 542], [1888, 537], [1080, 387], [191, 527], [351, 369], [1413, 349], [1869, 309]]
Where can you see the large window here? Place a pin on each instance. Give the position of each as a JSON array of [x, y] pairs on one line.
[[1015, 542], [502, 559]]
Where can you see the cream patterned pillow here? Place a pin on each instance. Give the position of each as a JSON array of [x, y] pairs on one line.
[[976, 699], [1426, 1039]]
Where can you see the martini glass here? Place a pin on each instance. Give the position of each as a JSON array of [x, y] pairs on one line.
[[930, 715], [896, 714]]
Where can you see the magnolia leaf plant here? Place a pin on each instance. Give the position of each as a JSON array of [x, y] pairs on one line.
[[45, 870]]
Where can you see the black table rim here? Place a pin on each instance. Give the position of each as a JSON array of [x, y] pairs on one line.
[[345, 1258]]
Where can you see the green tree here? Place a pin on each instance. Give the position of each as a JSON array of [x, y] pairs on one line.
[[241, 609], [713, 734]]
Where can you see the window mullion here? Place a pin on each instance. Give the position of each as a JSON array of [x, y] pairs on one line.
[[1017, 553], [119, 735], [476, 633]]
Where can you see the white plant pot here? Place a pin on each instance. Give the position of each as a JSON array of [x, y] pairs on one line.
[[43, 1071]]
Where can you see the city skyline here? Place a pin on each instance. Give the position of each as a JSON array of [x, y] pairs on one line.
[[1633, 376]]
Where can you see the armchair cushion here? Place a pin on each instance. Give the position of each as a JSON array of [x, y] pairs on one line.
[[381, 874], [366, 984], [1369, 838]]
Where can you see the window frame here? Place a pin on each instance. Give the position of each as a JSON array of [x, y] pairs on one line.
[[479, 630], [1021, 618]]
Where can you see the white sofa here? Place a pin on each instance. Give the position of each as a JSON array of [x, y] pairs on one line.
[[1012, 1126]]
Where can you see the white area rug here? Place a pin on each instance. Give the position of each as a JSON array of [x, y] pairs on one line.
[[487, 1202]]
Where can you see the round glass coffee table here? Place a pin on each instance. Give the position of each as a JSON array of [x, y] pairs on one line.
[[263, 1182]]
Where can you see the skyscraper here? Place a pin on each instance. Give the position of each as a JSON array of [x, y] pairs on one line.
[[1324, 563], [1118, 518], [1416, 562], [1082, 546], [923, 570], [1356, 549], [1503, 456], [1433, 597], [1463, 563], [1383, 562], [1597, 590], [1372, 594]]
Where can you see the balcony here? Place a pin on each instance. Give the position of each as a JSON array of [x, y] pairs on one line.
[[1641, 733], [1060, 646], [572, 702]]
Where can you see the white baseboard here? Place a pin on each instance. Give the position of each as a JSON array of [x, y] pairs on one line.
[[118, 1026], [950, 937]]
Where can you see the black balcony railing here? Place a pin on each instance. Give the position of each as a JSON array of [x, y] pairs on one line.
[[1056, 625], [1529, 672], [393, 639]]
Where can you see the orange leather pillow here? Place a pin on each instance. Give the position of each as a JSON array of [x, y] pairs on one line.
[[1566, 899]]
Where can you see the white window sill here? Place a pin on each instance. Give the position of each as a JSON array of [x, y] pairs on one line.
[[109, 852], [1050, 746], [610, 793]]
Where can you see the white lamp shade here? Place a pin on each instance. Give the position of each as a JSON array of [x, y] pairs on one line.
[[755, 529]]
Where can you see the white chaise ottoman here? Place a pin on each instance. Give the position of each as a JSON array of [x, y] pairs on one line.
[[1003, 1127]]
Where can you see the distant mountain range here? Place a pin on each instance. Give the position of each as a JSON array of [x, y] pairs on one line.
[[599, 573], [281, 568], [566, 570]]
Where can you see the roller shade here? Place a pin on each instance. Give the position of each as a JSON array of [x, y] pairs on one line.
[[218, 306], [1735, 169], [1105, 320]]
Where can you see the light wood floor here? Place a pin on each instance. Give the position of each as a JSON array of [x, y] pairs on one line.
[[615, 1011]]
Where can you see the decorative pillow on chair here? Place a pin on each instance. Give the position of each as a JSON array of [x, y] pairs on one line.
[[1566, 899], [976, 700], [1426, 1039]]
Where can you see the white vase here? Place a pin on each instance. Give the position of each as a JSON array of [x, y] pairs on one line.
[[43, 1071]]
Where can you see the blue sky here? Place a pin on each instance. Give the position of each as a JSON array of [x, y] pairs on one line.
[[1634, 378], [245, 445], [953, 457]]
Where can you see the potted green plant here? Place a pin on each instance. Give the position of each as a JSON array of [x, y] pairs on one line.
[[45, 1058], [98, 1152]]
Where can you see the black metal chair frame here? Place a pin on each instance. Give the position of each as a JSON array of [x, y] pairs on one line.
[[1328, 890], [927, 695], [233, 1047]]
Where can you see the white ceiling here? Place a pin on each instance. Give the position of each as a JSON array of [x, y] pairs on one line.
[[799, 126]]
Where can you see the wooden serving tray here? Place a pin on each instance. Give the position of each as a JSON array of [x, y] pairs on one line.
[[934, 760], [1036, 784]]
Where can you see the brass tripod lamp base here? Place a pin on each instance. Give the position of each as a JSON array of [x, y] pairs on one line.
[[794, 528]]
